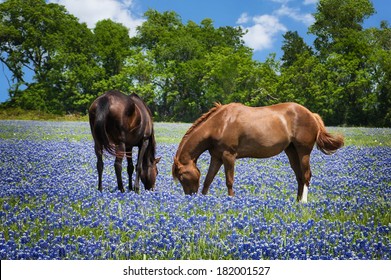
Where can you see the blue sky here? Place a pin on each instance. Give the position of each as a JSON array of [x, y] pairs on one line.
[[265, 20]]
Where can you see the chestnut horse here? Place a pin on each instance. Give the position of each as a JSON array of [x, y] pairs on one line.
[[118, 123], [235, 131]]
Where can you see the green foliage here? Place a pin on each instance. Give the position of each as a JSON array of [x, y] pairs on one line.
[[112, 46], [181, 69], [46, 39], [346, 81], [334, 29], [192, 65], [293, 47]]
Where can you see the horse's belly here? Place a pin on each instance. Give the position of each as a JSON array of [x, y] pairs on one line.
[[261, 149], [261, 152]]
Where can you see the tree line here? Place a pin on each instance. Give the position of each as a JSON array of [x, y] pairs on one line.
[[181, 69]]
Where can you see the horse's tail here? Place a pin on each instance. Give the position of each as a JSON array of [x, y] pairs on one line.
[[101, 113], [327, 143]]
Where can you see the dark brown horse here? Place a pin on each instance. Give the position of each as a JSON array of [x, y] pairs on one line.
[[235, 131], [118, 123]]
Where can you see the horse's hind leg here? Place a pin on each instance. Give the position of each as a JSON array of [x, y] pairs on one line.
[[130, 167], [99, 165], [304, 157], [229, 168], [294, 161], [301, 165], [118, 165]]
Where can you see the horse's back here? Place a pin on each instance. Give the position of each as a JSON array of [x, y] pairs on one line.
[[117, 102], [286, 117], [282, 116], [263, 131], [126, 117]]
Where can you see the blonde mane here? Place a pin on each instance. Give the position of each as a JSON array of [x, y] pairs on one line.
[[202, 119], [176, 165]]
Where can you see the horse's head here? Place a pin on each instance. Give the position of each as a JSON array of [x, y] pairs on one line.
[[148, 176], [188, 175]]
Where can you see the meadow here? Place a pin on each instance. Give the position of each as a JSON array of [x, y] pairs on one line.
[[51, 208]]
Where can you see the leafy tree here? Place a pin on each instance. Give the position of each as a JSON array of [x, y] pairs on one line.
[[24, 41], [181, 69], [233, 76], [343, 47], [293, 46], [307, 81], [380, 67], [47, 40], [195, 65], [112, 43], [334, 30]]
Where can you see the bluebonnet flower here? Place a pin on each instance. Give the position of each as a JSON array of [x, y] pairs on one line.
[[51, 209]]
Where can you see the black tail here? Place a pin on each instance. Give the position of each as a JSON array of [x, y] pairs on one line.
[[102, 111]]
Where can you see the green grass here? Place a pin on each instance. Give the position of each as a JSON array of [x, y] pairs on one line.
[[167, 133], [364, 136]]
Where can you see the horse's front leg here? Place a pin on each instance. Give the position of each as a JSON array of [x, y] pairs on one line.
[[139, 166], [306, 175], [214, 166], [120, 151], [130, 168], [229, 168]]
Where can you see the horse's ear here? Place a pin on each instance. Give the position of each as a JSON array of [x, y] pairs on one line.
[[175, 169], [157, 160], [178, 165]]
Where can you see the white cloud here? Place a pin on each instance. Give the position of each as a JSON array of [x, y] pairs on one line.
[[261, 35], [270, 22], [295, 14], [92, 11], [262, 30], [244, 18]]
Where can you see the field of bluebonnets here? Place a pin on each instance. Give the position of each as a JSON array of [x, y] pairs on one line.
[[51, 208]]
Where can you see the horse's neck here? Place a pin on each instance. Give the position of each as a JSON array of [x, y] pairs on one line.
[[193, 146], [151, 149]]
